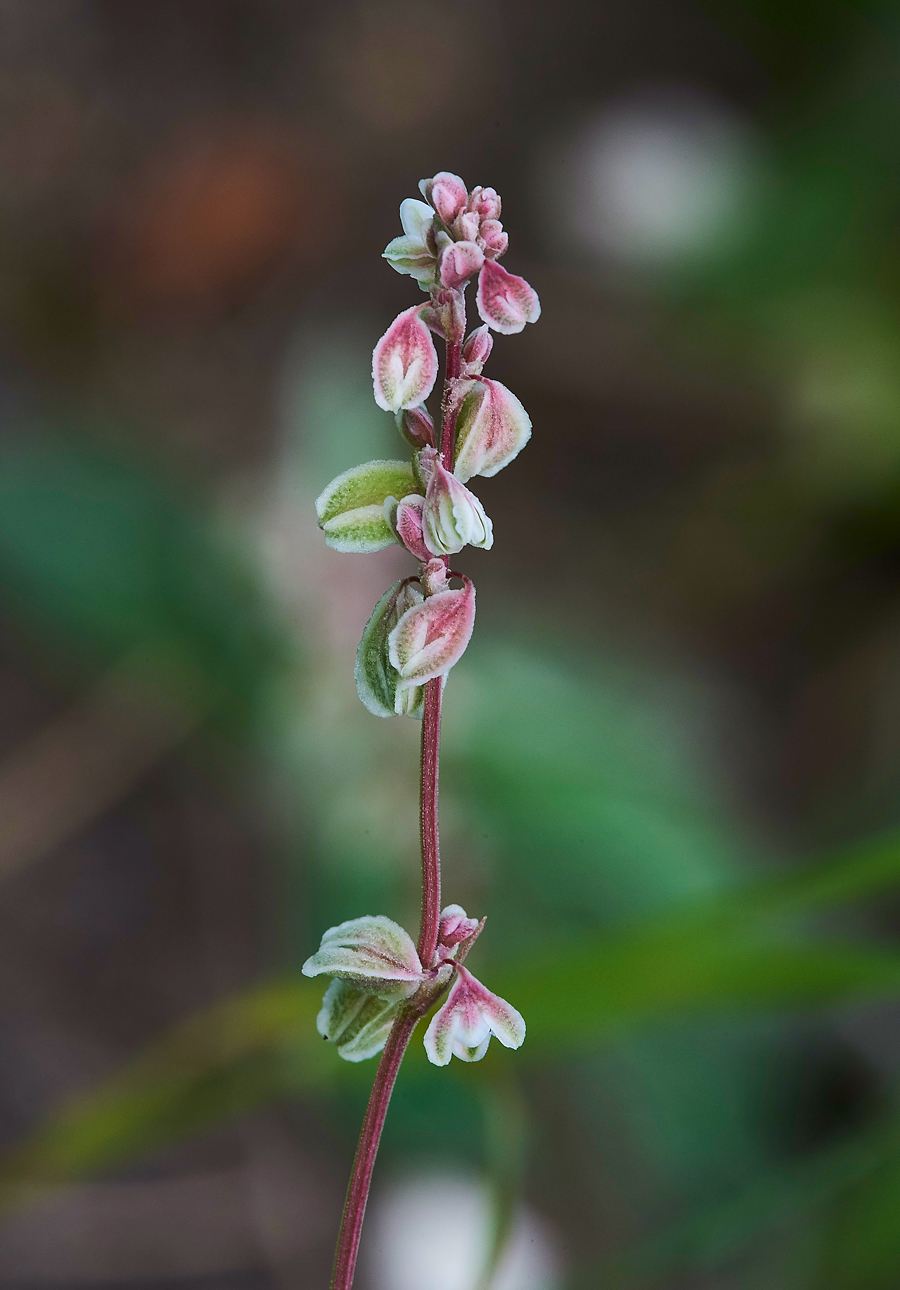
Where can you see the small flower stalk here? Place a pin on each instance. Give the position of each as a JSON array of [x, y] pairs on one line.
[[381, 983]]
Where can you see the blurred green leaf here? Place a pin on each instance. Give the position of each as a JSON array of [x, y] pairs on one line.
[[784, 1199], [99, 559], [861, 1249]]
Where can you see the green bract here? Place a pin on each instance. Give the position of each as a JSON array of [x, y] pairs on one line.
[[357, 1022], [351, 509], [376, 677], [373, 952]]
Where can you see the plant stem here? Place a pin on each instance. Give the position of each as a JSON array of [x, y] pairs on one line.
[[366, 1151], [431, 722], [401, 1032]]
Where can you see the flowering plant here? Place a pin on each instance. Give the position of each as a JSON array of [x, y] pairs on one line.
[[382, 984]]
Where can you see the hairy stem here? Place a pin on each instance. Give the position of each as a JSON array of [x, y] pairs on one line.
[[401, 1033], [366, 1151]]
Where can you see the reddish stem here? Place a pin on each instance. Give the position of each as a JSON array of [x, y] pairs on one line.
[[431, 855], [401, 1033], [366, 1151]]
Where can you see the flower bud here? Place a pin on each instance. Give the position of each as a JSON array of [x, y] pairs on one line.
[[492, 239], [447, 194], [404, 363], [477, 351], [464, 1025], [485, 202], [492, 428], [453, 517], [351, 508], [459, 262], [505, 302], [416, 426], [446, 315], [434, 576], [431, 637], [455, 926], [376, 677], [467, 226], [405, 518]]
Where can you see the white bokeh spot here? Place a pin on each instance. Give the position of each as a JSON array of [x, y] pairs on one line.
[[434, 1230]]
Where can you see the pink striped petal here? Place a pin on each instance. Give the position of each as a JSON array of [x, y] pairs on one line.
[[404, 363], [505, 302]]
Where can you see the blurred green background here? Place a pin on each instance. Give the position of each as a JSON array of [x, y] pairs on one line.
[[671, 756]]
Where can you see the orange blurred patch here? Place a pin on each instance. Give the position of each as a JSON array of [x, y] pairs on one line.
[[217, 211]]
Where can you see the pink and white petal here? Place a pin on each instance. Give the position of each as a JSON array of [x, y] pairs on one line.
[[440, 1034], [505, 302], [501, 1017], [404, 363]]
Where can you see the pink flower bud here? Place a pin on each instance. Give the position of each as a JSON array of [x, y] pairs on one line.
[[459, 262], [431, 637], [447, 194], [477, 351], [455, 926], [464, 1025], [406, 521], [505, 302], [457, 933], [446, 312], [416, 426], [434, 576], [453, 517], [492, 239], [467, 226], [492, 428], [485, 202], [404, 363]]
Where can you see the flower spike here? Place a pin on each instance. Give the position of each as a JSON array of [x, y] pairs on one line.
[[381, 982]]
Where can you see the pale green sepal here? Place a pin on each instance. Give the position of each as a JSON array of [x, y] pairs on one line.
[[356, 1022], [373, 952], [360, 531], [350, 510], [376, 677]]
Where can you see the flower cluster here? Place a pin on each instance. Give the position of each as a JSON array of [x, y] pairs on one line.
[[421, 626], [376, 972]]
